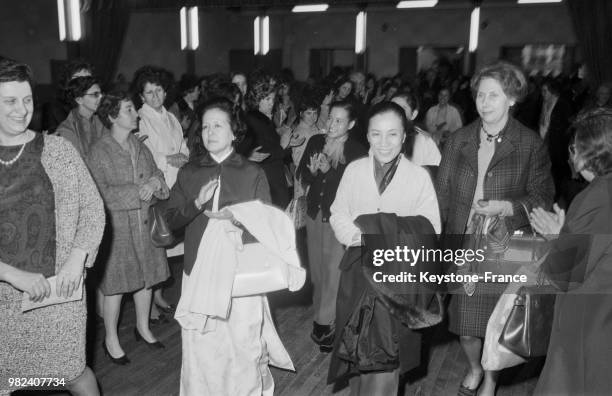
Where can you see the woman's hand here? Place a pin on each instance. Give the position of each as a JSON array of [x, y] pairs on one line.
[[35, 284], [324, 164], [313, 164], [69, 277], [328, 98], [146, 191], [258, 156], [547, 224], [206, 193], [493, 208], [177, 160]]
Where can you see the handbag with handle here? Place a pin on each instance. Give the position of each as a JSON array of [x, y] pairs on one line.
[[161, 235], [527, 330], [259, 271]]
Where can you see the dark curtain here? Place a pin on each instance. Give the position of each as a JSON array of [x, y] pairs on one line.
[[592, 22], [106, 23]]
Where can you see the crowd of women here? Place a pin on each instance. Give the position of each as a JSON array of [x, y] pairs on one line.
[[347, 154]]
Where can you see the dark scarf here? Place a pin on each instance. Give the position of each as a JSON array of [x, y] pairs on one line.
[[383, 173]]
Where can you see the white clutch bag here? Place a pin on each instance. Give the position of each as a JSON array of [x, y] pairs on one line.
[[259, 271]]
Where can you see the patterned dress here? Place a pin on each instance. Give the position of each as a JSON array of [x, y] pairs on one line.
[[41, 342]]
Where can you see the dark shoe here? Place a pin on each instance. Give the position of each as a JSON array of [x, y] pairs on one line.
[[161, 319], [169, 309], [122, 361], [152, 345], [323, 336]]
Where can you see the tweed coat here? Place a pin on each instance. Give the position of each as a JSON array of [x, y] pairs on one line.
[[131, 261], [519, 172]]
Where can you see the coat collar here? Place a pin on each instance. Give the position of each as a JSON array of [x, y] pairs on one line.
[[504, 148], [233, 159]]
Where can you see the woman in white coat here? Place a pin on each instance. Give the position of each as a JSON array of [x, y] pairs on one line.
[[163, 136]]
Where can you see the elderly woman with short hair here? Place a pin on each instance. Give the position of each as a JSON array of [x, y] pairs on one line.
[[489, 168]]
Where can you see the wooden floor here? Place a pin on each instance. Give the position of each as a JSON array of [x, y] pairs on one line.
[[154, 373]]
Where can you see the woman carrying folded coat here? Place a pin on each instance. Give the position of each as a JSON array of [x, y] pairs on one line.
[[384, 182], [229, 355]]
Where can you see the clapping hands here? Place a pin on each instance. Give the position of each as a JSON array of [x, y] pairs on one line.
[[318, 161], [547, 224]]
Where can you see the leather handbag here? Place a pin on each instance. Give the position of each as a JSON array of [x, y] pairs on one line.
[[527, 330], [160, 233], [259, 271]]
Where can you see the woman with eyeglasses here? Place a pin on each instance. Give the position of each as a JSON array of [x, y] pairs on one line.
[[580, 266], [82, 127]]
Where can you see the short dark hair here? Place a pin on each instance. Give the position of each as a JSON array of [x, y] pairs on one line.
[[11, 70], [346, 105], [72, 67], [149, 74], [394, 108], [110, 105], [77, 87], [234, 114], [510, 77], [411, 99], [258, 90], [593, 140]]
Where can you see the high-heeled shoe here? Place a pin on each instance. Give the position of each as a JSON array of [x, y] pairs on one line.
[[152, 345], [122, 360]]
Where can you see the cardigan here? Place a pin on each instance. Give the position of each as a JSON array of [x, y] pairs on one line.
[[79, 212], [410, 193], [519, 172], [241, 180], [323, 186]]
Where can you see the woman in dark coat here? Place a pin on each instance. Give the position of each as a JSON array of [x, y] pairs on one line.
[[491, 167], [321, 168], [128, 179], [580, 266], [267, 144]]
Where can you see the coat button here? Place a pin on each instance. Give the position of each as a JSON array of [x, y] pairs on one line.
[[490, 174], [141, 175], [146, 221]]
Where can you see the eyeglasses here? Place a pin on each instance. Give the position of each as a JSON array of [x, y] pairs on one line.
[[95, 95]]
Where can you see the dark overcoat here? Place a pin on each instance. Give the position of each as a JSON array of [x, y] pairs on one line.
[[130, 261], [580, 264], [241, 181]]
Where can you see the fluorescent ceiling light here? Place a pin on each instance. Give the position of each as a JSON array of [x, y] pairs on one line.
[[474, 28], [256, 43], [265, 35], [538, 1], [69, 20], [310, 8], [417, 3], [190, 34], [361, 23]]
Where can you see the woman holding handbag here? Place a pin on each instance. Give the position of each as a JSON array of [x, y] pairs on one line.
[[489, 170], [229, 356], [128, 180], [580, 267]]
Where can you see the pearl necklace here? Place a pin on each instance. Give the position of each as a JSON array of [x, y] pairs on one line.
[[11, 162]]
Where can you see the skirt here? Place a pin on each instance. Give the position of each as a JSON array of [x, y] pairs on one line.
[[43, 342]]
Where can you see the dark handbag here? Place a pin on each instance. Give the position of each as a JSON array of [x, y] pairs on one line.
[[527, 330], [161, 236]]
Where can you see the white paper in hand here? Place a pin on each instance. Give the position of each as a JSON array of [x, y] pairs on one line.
[[27, 304]]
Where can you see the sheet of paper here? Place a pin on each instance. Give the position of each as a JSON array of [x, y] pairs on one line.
[[27, 304]]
